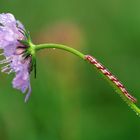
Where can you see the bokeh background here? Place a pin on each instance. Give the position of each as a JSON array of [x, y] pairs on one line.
[[70, 100]]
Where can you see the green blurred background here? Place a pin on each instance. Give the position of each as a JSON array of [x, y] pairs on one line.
[[70, 100]]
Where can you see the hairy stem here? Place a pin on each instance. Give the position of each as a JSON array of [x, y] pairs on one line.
[[115, 83]]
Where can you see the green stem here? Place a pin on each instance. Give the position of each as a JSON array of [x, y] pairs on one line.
[[81, 55], [59, 46]]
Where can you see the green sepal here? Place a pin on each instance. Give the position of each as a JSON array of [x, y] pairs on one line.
[[24, 42], [34, 65], [27, 35]]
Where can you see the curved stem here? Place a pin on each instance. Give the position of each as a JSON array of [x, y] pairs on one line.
[[115, 83], [59, 46]]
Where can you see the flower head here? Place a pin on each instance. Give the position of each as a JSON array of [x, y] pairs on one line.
[[16, 46]]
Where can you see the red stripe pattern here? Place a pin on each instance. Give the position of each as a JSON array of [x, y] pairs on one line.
[[110, 76]]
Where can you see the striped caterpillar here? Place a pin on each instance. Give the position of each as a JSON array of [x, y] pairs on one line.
[[110, 76]]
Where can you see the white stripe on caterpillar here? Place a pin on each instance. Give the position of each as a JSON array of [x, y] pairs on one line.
[[110, 76]]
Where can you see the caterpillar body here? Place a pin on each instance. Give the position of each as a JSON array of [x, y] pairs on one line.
[[110, 76]]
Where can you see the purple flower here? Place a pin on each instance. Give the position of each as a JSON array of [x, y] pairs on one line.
[[18, 60]]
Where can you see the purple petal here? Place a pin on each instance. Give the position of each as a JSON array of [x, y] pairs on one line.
[[10, 33], [28, 94]]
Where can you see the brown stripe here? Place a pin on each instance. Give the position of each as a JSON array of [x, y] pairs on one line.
[[110, 76]]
